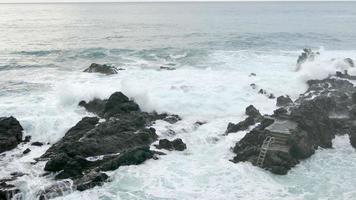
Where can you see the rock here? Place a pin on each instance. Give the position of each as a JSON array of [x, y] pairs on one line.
[[251, 111], [117, 104], [104, 69], [271, 96], [57, 189], [307, 55], [57, 162], [262, 91], [131, 157], [284, 101], [8, 191], [37, 144], [199, 123], [26, 151], [10, 133], [91, 180], [92, 146], [176, 144], [280, 112], [167, 68], [179, 145], [241, 126], [252, 74], [27, 138], [172, 119], [253, 86], [311, 122], [349, 61]]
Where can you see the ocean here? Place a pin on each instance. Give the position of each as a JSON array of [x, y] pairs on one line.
[[214, 47]]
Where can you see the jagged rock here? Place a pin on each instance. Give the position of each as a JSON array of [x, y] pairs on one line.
[[284, 101], [104, 69], [252, 74], [7, 191], [92, 146], [254, 116], [307, 55], [10, 133], [271, 96], [37, 144], [176, 144], [305, 126], [91, 180], [57, 189], [241, 126], [131, 157], [26, 151], [280, 112], [349, 61], [27, 138], [251, 111]]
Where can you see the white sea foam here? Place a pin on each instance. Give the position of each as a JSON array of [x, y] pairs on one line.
[[217, 93]]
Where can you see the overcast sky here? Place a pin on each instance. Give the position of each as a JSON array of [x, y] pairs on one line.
[[49, 1]]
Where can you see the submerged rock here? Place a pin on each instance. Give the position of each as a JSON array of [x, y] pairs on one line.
[[10, 133], [104, 69], [167, 68]]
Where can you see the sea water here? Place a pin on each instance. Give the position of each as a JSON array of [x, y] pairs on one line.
[[214, 47]]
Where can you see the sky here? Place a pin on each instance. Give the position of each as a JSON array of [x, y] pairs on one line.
[[51, 1]]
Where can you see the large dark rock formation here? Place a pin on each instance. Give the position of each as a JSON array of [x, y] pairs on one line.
[[324, 110], [103, 69], [91, 146], [10, 133]]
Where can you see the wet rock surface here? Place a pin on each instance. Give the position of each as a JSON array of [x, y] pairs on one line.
[[10, 133], [307, 55], [176, 144], [94, 145], [103, 69], [254, 116], [298, 129]]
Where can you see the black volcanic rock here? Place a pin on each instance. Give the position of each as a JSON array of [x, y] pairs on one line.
[[10, 133], [176, 144], [311, 122], [103, 69], [307, 55], [284, 101], [350, 62], [251, 111], [91, 146], [254, 116]]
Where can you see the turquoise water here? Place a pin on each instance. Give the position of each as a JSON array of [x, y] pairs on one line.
[[214, 46]]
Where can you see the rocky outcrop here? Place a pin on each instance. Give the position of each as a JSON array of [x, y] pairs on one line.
[[307, 55], [176, 144], [299, 129], [284, 101], [350, 62], [103, 69], [254, 116], [10, 133], [94, 145]]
